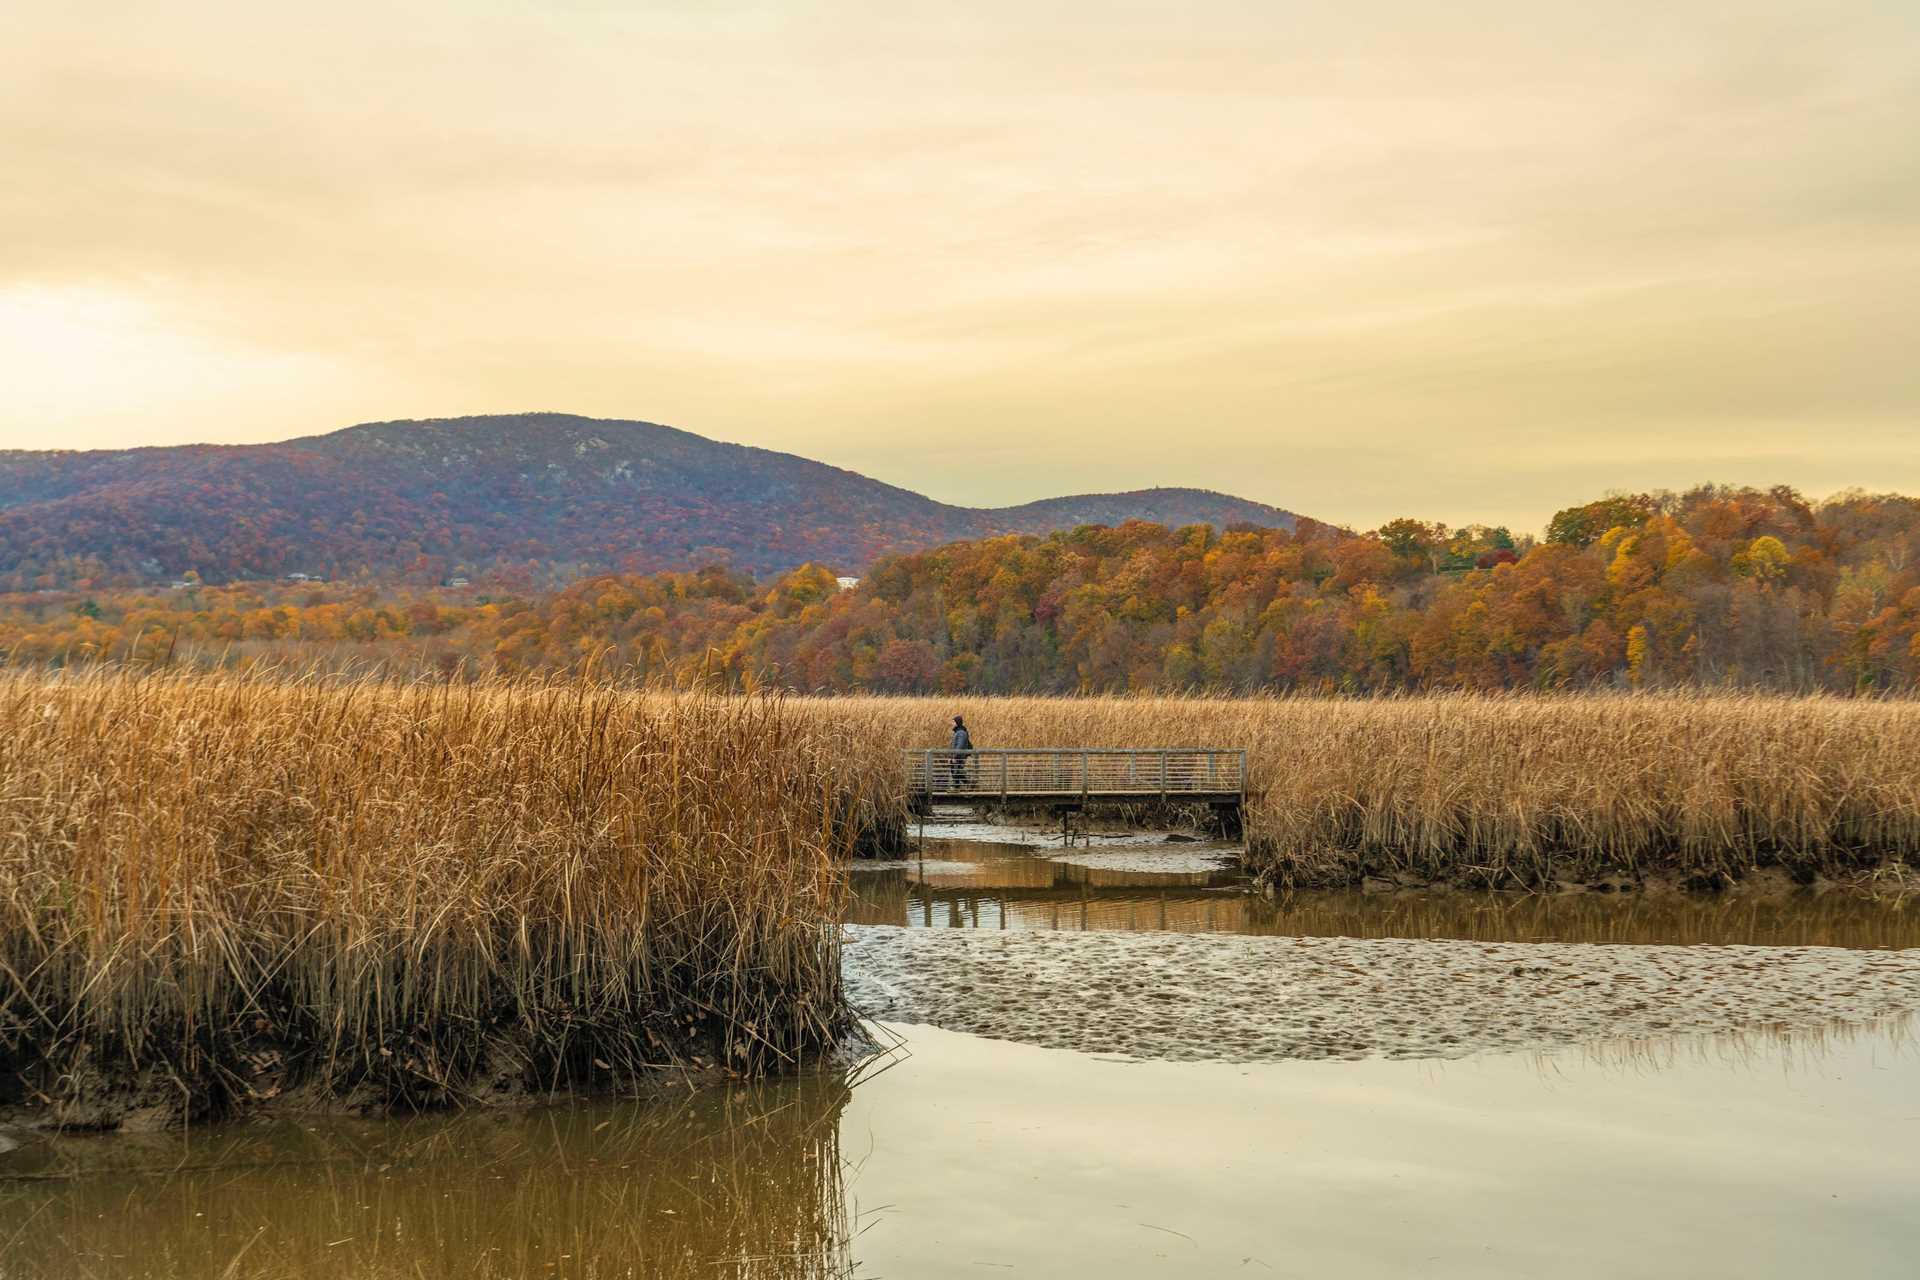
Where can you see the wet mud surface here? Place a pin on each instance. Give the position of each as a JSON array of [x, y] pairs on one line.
[[1201, 997]]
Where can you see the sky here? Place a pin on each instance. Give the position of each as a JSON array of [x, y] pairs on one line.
[[1468, 262]]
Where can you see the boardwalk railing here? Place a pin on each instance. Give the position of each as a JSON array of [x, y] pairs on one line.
[[1079, 773]]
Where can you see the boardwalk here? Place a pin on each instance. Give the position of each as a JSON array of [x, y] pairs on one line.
[[1077, 775]]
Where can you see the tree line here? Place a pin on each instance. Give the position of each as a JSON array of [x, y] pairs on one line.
[[1715, 586]]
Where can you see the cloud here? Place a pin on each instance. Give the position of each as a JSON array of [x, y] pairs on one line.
[[1522, 251]]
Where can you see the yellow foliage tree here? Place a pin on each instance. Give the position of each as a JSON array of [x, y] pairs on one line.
[[1765, 558], [1636, 652]]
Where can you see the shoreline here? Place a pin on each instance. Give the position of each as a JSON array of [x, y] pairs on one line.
[[130, 1107], [1226, 998]]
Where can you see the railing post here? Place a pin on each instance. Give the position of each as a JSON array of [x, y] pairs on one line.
[[1045, 772]]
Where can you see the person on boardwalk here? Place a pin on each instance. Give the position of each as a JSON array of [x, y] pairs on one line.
[[962, 741]]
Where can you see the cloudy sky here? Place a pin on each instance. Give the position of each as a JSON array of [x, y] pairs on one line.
[[1472, 261]]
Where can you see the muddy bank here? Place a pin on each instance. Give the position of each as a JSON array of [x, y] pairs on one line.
[[1191, 997], [1892, 882], [98, 1093], [151, 1101], [1278, 872]]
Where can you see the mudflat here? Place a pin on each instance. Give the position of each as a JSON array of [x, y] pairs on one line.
[[1198, 997]]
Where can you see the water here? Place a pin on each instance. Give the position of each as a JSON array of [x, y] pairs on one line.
[[1754, 1154], [1197, 889], [720, 1181], [1750, 1156]]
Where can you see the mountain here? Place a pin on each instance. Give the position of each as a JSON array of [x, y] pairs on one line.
[[1169, 507], [550, 494]]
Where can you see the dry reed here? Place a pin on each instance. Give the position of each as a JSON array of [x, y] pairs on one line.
[[1498, 791], [215, 889], [219, 889]]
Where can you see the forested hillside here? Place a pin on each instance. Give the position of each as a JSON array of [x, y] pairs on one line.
[[1711, 587], [530, 501]]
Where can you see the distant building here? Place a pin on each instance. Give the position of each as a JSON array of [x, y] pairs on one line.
[[456, 582], [298, 577], [181, 584], [847, 584]]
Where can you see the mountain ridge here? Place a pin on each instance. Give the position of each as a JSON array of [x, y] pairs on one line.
[[541, 494]]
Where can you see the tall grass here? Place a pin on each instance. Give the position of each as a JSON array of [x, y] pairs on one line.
[[219, 889], [1500, 791]]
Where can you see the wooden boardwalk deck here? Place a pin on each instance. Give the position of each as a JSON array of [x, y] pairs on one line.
[[1078, 775]]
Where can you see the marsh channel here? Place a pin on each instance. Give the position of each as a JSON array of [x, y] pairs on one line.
[[1117, 1060]]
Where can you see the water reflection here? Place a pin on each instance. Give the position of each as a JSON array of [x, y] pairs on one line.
[[1792, 1050], [1751, 1155], [721, 1182], [1753, 1159], [964, 884]]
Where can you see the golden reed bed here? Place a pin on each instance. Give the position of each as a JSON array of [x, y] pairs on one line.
[[1500, 791], [216, 890], [219, 890]]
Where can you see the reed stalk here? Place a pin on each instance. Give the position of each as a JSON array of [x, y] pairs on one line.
[[216, 890], [1503, 791]]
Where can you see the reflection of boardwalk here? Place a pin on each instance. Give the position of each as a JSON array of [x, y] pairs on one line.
[[1017, 890], [984, 887], [1211, 913]]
